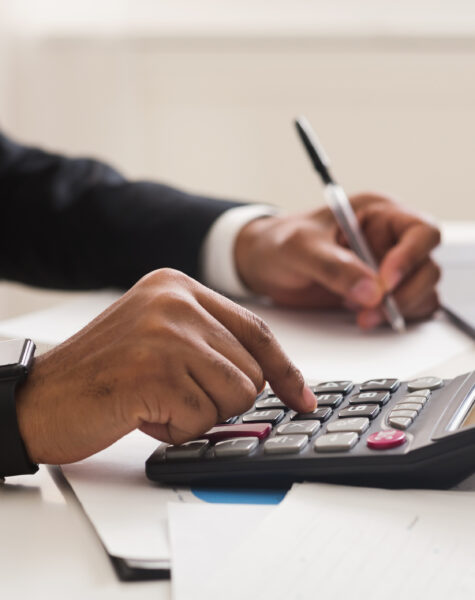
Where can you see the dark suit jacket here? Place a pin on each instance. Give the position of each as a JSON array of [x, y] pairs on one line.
[[78, 224]]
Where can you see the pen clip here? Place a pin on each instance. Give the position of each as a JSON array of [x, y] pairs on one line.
[[314, 148]]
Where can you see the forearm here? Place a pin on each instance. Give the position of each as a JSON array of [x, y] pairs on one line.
[[78, 224]]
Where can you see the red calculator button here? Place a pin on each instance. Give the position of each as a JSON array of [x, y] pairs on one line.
[[383, 440], [226, 432]]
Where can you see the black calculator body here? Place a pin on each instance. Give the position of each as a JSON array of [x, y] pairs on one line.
[[382, 432]]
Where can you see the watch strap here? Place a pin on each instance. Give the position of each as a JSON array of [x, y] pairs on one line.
[[14, 459]]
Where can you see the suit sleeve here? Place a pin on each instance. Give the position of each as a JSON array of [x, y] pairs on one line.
[[79, 224]]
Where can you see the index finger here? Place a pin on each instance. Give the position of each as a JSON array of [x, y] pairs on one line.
[[416, 239], [255, 335]]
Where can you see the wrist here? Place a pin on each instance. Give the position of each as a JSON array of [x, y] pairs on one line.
[[247, 251]]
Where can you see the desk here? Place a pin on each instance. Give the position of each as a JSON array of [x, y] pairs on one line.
[[49, 550]]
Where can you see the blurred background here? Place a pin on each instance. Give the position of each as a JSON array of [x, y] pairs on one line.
[[202, 93]]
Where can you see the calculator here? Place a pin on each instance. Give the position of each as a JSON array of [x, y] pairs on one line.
[[382, 432]]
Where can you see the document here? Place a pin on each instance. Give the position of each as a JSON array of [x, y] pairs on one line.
[[202, 537], [336, 542]]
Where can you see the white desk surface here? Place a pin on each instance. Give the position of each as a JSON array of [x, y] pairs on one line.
[[49, 550]]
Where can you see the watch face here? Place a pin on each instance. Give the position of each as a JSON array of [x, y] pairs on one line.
[[15, 357]]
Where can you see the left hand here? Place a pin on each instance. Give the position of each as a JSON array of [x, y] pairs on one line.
[[303, 260]]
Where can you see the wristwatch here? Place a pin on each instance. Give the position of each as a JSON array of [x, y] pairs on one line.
[[16, 357]]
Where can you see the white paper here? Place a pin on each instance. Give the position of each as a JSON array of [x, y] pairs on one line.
[[128, 512], [202, 537], [336, 542], [54, 325], [331, 346]]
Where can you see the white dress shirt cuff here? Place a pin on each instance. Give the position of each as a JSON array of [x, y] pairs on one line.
[[218, 266]]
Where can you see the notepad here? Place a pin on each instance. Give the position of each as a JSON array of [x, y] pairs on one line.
[[336, 543]]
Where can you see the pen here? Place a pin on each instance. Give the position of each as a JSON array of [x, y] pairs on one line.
[[345, 217]]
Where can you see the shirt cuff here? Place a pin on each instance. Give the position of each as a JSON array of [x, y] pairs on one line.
[[218, 267]]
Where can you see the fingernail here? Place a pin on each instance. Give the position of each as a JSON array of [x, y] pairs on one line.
[[366, 292], [310, 401], [392, 280], [372, 318]]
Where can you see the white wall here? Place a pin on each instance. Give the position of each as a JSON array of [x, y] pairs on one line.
[[203, 94]]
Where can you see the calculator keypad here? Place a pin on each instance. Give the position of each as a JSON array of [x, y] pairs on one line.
[[236, 447], [285, 444], [336, 442], [370, 398], [360, 410], [264, 416], [321, 414], [308, 428], [270, 424], [341, 387], [357, 424]]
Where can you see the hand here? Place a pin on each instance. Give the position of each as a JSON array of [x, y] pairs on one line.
[[303, 261], [171, 357]]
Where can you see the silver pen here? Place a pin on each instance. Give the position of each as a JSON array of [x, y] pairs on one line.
[[345, 217]]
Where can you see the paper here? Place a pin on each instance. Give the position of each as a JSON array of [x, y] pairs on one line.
[[54, 325], [335, 542], [323, 345], [128, 512], [202, 537], [331, 346]]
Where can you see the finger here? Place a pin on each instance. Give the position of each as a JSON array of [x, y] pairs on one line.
[[254, 334], [225, 344], [229, 388], [416, 239], [337, 269], [183, 415], [313, 296], [417, 286]]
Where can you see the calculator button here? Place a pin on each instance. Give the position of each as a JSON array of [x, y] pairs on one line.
[[425, 393], [384, 440], [356, 424], [410, 414], [370, 398], [408, 406], [272, 402], [193, 449], [332, 400], [420, 400], [360, 410], [336, 442], [400, 422], [308, 428], [423, 383], [343, 387], [321, 414], [264, 416], [225, 432], [389, 385], [236, 447], [285, 444]]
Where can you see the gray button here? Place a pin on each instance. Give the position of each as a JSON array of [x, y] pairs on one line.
[[296, 427], [370, 398], [400, 422], [332, 400], [193, 449], [425, 393], [430, 383], [356, 424], [272, 402], [285, 444], [336, 442], [413, 398], [360, 410], [236, 447], [390, 385], [343, 387], [264, 416], [408, 406], [410, 414]]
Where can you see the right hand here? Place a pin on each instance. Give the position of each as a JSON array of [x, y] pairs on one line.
[[170, 357]]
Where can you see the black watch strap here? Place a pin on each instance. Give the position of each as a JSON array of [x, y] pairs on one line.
[[14, 459]]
